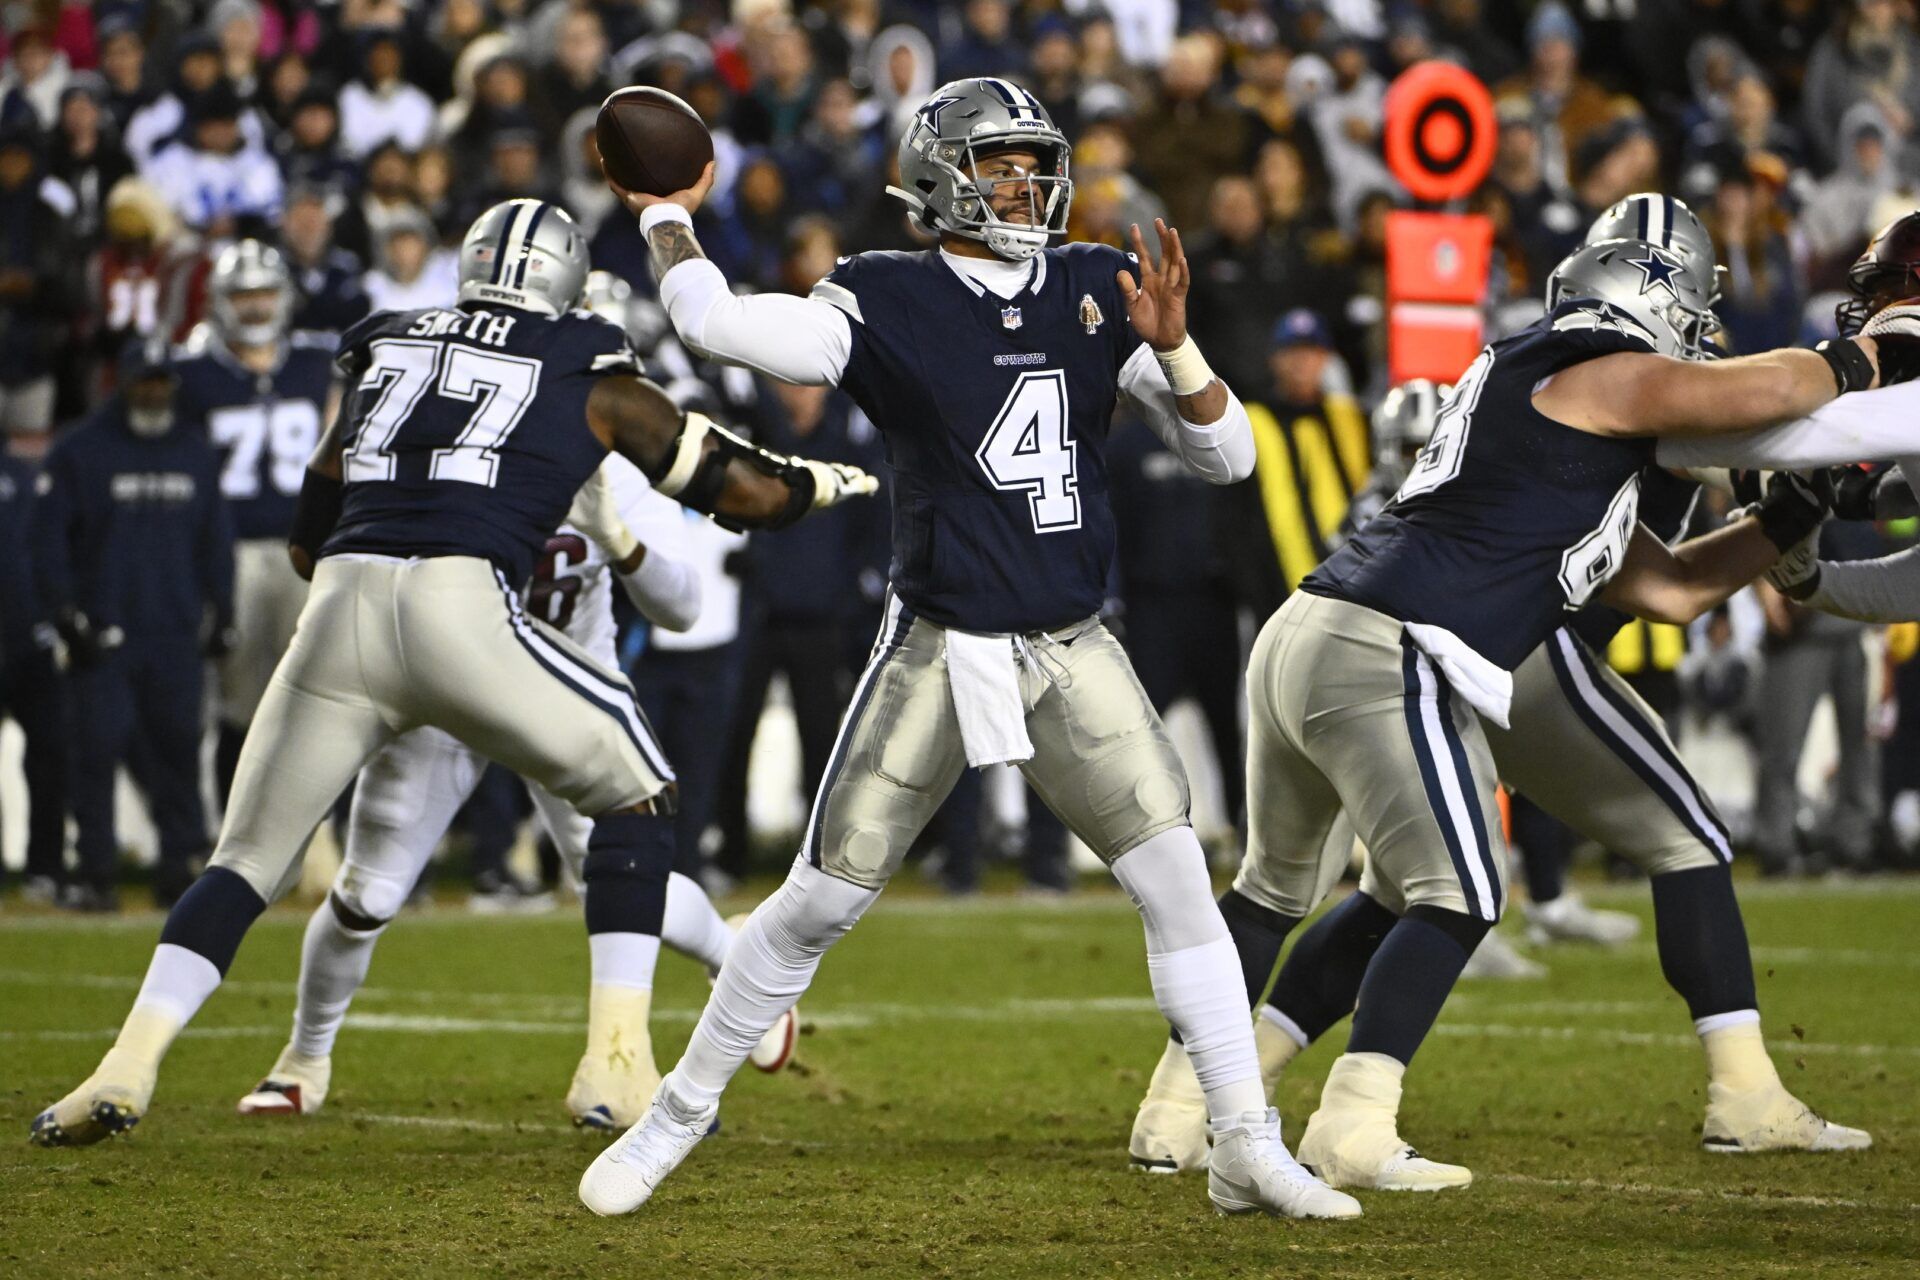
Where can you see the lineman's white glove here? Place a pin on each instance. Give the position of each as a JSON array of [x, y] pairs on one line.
[[596, 514], [835, 482]]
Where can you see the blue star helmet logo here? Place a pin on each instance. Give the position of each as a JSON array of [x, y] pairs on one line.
[[1657, 269], [929, 112]]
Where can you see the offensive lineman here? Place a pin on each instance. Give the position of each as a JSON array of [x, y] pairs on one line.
[[1525, 502], [409, 792], [991, 366], [1582, 744], [467, 434], [259, 392]]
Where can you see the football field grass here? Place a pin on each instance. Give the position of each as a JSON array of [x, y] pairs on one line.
[[959, 1107]]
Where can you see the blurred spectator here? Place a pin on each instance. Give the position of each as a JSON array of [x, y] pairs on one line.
[[1839, 215], [499, 96], [751, 242], [1567, 106], [1192, 132], [576, 77], [782, 96], [985, 45], [411, 270], [1241, 277], [1546, 225], [288, 80], [215, 179], [513, 172], [235, 27], [1869, 54], [386, 193], [169, 117], [123, 66], [1762, 305], [1346, 121], [1460, 28], [831, 164], [1053, 73], [1613, 163], [145, 279], [326, 278], [309, 148], [583, 184], [35, 75], [380, 106], [900, 62], [133, 556], [36, 279], [85, 154]]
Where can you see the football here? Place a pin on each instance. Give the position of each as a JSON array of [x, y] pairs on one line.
[[651, 141]]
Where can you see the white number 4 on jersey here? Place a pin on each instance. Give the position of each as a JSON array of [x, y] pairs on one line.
[[1028, 448]]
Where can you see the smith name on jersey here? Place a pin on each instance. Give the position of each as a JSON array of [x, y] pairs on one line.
[[1508, 518], [995, 415], [466, 430], [264, 424]]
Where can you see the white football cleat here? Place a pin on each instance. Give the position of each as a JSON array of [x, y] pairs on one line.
[[1568, 919], [626, 1174], [1771, 1119], [296, 1086], [1170, 1129], [1497, 959], [1251, 1171], [1353, 1141], [108, 1103]]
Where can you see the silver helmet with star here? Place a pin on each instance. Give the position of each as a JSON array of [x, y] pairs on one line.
[[1660, 293]]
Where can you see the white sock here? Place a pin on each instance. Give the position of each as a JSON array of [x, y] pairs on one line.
[[772, 962], [1194, 967], [692, 927], [333, 963], [623, 959], [178, 982]]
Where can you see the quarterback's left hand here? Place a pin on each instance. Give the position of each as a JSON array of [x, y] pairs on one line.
[[1157, 306], [835, 482]]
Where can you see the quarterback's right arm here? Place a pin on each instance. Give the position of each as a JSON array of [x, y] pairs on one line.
[[700, 464], [799, 340]]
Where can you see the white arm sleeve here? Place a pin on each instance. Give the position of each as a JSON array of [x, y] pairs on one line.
[[1861, 426], [800, 340], [1882, 590], [1220, 452], [665, 588]]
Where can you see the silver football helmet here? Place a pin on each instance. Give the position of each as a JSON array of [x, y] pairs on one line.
[[1669, 223], [250, 295], [1657, 289], [962, 123], [611, 298], [1403, 421], [527, 254]]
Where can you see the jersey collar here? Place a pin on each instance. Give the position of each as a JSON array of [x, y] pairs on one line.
[[972, 270]]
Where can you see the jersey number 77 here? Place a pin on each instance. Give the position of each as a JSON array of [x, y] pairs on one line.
[[401, 371]]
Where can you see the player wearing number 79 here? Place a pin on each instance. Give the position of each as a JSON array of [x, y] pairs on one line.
[[460, 447], [991, 366]]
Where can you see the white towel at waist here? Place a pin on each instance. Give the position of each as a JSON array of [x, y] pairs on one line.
[[1487, 686], [984, 675]]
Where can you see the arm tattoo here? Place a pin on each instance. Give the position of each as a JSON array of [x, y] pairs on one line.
[[671, 243]]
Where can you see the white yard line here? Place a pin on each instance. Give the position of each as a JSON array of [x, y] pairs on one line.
[[1699, 1193]]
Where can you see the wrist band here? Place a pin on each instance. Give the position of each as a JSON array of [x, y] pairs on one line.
[[666, 211], [1852, 370], [1186, 369]]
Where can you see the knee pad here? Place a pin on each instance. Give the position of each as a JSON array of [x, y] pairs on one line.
[[366, 899], [629, 856]]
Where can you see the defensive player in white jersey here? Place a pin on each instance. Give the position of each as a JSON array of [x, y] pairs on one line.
[[409, 793], [467, 434], [991, 368]]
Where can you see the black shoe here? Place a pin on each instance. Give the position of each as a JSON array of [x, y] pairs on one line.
[[91, 899]]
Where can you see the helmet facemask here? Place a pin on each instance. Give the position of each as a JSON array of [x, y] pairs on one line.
[[980, 182]]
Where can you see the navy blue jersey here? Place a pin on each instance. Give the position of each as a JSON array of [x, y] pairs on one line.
[[131, 529], [466, 430], [19, 607], [995, 414], [264, 424], [1666, 503], [1507, 518]]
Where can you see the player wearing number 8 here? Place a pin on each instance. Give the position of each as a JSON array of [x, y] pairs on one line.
[[991, 366], [259, 392]]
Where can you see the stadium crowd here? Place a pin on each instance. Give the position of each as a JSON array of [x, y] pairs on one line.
[[139, 138]]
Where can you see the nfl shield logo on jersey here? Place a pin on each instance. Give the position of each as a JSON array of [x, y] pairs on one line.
[[1010, 317]]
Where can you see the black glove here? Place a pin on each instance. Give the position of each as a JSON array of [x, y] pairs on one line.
[[1748, 486], [1899, 358], [1792, 509], [1852, 493], [86, 644]]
